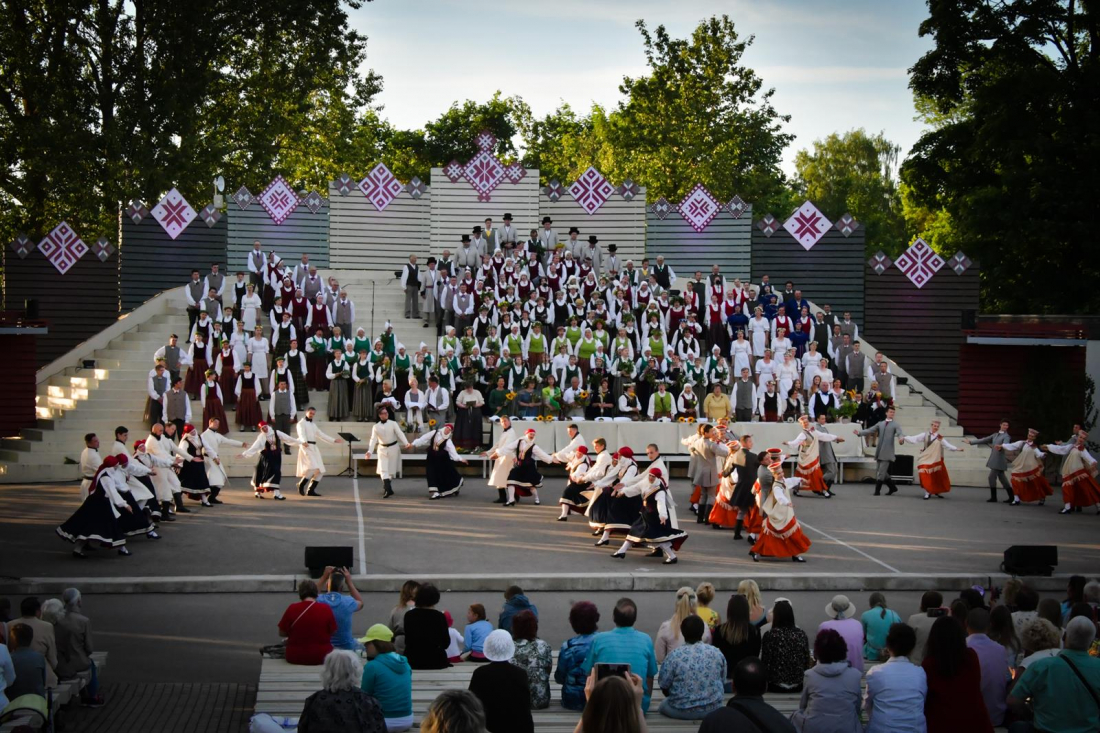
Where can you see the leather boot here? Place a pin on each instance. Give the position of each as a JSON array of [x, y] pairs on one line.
[[387, 489], [214, 491], [313, 488], [166, 511], [180, 508], [737, 528], [500, 497], [302, 486], [878, 488], [704, 513]]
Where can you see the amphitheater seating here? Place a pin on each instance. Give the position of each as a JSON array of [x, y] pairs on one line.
[[67, 691]]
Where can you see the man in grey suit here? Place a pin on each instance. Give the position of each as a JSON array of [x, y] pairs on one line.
[[548, 238], [888, 433], [491, 237], [826, 456], [997, 463]]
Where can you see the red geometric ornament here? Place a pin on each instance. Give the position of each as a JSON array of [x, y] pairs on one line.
[[279, 200], [699, 207], [62, 247], [173, 213], [919, 263], [807, 225], [591, 190], [381, 186]]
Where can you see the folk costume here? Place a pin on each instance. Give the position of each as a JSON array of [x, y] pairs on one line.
[[213, 403], [90, 461], [1079, 486], [997, 463], [136, 521], [724, 514], [387, 440], [248, 403], [934, 478], [310, 469], [656, 524], [96, 519], [809, 457], [193, 471], [268, 474], [782, 535], [524, 478], [572, 500], [502, 465], [212, 442], [611, 511], [443, 478], [1027, 472]]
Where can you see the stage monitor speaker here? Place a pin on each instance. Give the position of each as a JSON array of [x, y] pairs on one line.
[[1030, 560], [901, 468], [318, 558]]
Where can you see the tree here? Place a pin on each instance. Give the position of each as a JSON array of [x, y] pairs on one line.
[[856, 173], [1014, 156]]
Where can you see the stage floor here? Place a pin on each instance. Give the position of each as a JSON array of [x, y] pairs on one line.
[[408, 535]]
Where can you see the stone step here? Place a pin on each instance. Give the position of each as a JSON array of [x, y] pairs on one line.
[[33, 434], [21, 445]]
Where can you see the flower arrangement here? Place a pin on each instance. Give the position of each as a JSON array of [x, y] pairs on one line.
[[432, 423], [467, 344], [510, 396]]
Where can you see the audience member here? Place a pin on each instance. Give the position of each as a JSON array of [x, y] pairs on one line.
[[570, 674], [457, 644], [342, 606], [388, 678], [692, 675], [1027, 601], [1062, 689], [931, 608], [746, 710], [1075, 593], [502, 687], [955, 675], [1003, 631], [668, 635], [785, 650], [45, 643], [1010, 593], [1051, 610], [397, 616], [973, 597], [308, 627], [454, 711], [748, 588], [704, 596], [831, 692], [896, 689], [340, 705], [876, 622], [473, 636], [614, 705], [514, 602], [426, 634], [29, 665], [7, 674], [625, 645], [1040, 639], [960, 610], [840, 612], [737, 637], [534, 656], [73, 634]]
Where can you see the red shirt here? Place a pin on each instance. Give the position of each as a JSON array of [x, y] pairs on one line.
[[309, 627]]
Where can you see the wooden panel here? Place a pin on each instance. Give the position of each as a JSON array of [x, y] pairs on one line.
[[455, 209], [726, 242], [17, 388], [153, 262], [921, 328], [831, 272], [76, 305], [303, 232], [618, 222], [363, 238]]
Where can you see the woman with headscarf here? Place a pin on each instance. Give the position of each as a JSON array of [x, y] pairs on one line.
[[443, 478], [782, 535], [656, 525], [617, 498], [97, 518], [192, 474]]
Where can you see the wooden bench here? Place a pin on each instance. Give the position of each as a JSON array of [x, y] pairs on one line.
[[67, 691]]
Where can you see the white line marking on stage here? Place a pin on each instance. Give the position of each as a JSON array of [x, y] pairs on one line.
[[826, 535], [362, 537]]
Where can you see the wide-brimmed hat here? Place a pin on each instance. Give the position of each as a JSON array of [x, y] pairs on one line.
[[840, 607], [498, 646]]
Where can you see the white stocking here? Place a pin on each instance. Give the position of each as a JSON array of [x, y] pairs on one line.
[[564, 511], [626, 546], [666, 547], [510, 492], [606, 535]]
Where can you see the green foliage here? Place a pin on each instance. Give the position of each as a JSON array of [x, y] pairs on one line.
[[1012, 93]]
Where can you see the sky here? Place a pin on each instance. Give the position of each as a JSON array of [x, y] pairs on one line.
[[835, 65]]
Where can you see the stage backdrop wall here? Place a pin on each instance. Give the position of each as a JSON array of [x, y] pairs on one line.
[[456, 210], [76, 305], [832, 271], [363, 238], [617, 221], [17, 388], [726, 241], [151, 261], [921, 328], [303, 232]]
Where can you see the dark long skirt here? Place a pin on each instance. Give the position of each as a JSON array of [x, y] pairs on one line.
[[362, 408], [196, 375], [213, 409], [339, 400], [193, 479], [268, 475], [228, 381], [613, 513], [468, 426], [443, 477], [573, 498], [248, 410], [93, 521], [525, 477], [647, 529]]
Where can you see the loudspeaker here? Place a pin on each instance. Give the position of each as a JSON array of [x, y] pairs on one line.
[[318, 558], [901, 468], [1030, 560]]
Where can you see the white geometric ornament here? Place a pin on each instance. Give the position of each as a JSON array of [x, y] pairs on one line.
[[279, 200], [243, 198], [173, 213], [736, 207], [381, 186], [62, 247], [210, 215], [919, 263], [768, 224], [807, 225], [103, 249], [591, 190], [880, 263], [22, 245], [344, 184], [699, 207], [960, 263], [137, 211], [313, 202]]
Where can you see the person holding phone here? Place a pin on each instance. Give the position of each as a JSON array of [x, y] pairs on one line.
[[343, 606], [625, 645]]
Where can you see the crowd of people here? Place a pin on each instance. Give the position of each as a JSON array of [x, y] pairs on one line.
[[989, 658]]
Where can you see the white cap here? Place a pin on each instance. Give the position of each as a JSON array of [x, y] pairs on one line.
[[498, 646]]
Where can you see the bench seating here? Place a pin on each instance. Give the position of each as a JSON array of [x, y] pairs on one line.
[[67, 691]]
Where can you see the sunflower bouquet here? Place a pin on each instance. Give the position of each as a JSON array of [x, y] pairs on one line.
[[510, 396], [432, 423]]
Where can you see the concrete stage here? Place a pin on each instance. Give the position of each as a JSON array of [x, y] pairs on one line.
[[466, 543]]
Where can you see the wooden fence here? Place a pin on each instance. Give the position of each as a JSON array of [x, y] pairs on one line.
[[151, 261], [303, 232], [726, 242]]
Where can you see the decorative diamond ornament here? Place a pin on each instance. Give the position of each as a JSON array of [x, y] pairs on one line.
[[381, 186], [243, 198], [846, 225], [662, 208], [880, 263], [591, 190], [454, 171], [960, 263], [22, 245], [699, 207], [313, 201], [768, 224], [210, 215], [486, 141], [515, 172], [63, 247], [103, 249], [485, 173], [416, 187], [736, 207], [173, 213], [807, 225], [628, 190], [344, 184], [554, 190], [279, 200], [919, 263], [137, 211]]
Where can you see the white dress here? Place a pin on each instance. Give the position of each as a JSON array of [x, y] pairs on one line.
[[389, 456], [741, 351], [309, 457], [239, 343], [212, 441], [760, 331], [250, 307], [257, 351], [498, 478]]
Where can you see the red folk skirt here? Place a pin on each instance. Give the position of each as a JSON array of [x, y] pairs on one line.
[[1080, 489], [811, 476], [228, 381], [723, 515], [1031, 486], [754, 522], [196, 375], [248, 409], [787, 542], [214, 409], [934, 478]]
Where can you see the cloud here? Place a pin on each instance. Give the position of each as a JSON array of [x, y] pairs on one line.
[[830, 75]]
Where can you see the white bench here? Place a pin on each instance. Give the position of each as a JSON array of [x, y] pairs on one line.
[[66, 691]]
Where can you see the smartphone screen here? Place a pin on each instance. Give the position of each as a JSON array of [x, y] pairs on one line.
[[611, 670]]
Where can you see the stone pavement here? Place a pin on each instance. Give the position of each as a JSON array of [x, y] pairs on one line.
[[135, 707]]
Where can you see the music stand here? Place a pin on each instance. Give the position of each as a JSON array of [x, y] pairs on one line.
[[351, 469]]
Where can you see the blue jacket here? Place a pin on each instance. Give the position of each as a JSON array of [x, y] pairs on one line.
[[570, 673], [512, 606], [389, 678]]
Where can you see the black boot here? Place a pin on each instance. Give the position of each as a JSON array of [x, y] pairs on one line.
[[214, 491], [387, 488], [302, 486], [893, 487], [180, 508], [313, 488], [704, 512], [166, 511], [992, 494], [737, 528], [878, 488], [500, 497]]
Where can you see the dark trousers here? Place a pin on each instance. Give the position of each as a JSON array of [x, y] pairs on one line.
[[855, 383], [743, 414], [996, 475], [179, 427], [282, 422], [192, 317]]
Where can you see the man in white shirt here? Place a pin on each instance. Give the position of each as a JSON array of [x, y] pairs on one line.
[[507, 233], [212, 442], [301, 271], [257, 263], [576, 440], [437, 401], [90, 461], [311, 468], [343, 311], [194, 292]]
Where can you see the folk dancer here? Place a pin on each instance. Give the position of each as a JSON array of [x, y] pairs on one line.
[[930, 466], [1079, 486], [743, 500], [136, 521], [656, 524], [268, 474], [724, 514], [310, 468], [707, 470], [502, 466], [1027, 471], [212, 442], [96, 519], [613, 510], [888, 434], [193, 471], [282, 411], [782, 535], [139, 477], [809, 456], [524, 478], [163, 453], [693, 464], [578, 495], [997, 462], [575, 469], [90, 461], [443, 478]]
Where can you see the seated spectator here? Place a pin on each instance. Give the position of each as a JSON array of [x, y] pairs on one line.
[[973, 597], [308, 627], [1027, 601], [1075, 593], [746, 710], [426, 633], [7, 674], [995, 667], [397, 616], [74, 643], [45, 643], [736, 637], [896, 690], [1003, 631], [625, 645], [876, 622], [1061, 689], [534, 656], [954, 676], [704, 596], [1010, 593], [840, 612], [454, 711], [456, 645], [668, 635], [931, 608], [473, 636], [758, 615], [502, 687], [1051, 610], [342, 606], [570, 674], [831, 691], [692, 676], [514, 602], [1092, 594], [785, 650], [1040, 639], [388, 678], [28, 664], [614, 705], [340, 705]]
